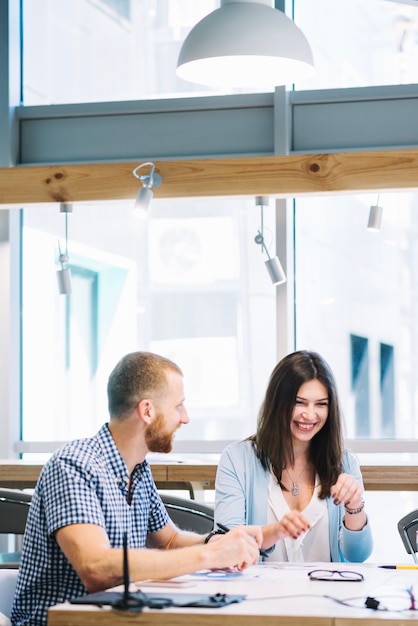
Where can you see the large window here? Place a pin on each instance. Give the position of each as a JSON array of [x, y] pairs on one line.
[[359, 44], [357, 303], [107, 50], [188, 281]]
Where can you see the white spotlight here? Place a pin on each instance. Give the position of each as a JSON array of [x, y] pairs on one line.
[[64, 274], [145, 194], [375, 218], [273, 265]]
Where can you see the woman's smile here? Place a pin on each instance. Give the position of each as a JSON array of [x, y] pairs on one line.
[[305, 426], [311, 409]]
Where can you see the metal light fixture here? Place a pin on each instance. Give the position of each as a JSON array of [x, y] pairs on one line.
[[274, 267], [375, 217], [245, 43], [149, 181], [64, 274]]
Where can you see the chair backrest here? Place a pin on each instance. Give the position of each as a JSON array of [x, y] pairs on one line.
[[189, 514], [8, 579], [14, 509], [408, 528]]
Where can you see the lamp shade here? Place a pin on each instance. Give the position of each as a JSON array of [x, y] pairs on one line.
[[143, 200], [64, 281], [375, 218], [275, 270], [245, 44]]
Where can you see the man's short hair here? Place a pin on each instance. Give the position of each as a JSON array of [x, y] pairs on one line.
[[136, 376]]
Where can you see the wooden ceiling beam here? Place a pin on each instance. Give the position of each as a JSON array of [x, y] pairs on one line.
[[279, 176]]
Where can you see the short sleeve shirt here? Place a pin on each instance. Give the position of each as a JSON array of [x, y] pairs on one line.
[[85, 482]]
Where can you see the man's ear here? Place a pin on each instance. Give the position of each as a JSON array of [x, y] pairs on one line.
[[145, 410]]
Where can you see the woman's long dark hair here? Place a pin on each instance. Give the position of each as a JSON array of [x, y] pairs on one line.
[[273, 440]]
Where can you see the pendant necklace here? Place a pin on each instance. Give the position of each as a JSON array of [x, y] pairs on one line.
[[295, 487]]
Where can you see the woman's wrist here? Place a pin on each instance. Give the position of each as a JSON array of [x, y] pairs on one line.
[[355, 510]]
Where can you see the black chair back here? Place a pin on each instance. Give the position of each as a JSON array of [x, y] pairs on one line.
[[14, 509], [408, 528], [189, 514]]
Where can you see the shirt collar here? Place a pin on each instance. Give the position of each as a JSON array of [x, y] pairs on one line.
[[114, 458]]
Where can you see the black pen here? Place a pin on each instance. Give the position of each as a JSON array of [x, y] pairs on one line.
[[225, 529]]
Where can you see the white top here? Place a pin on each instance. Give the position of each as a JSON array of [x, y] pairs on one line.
[[311, 546]]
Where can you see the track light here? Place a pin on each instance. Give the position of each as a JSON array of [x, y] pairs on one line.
[[375, 217], [149, 181], [64, 274], [245, 43], [274, 267]]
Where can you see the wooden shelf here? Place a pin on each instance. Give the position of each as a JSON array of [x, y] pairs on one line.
[[23, 475]]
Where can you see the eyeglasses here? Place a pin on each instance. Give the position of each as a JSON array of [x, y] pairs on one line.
[[335, 575]]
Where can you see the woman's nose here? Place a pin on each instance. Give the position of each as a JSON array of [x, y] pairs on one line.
[[309, 412]]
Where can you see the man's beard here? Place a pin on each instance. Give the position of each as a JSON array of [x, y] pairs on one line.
[[157, 437]]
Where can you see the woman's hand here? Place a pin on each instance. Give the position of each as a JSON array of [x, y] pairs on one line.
[[347, 491], [293, 524]]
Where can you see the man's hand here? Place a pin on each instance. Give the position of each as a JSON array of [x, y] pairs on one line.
[[238, 549]]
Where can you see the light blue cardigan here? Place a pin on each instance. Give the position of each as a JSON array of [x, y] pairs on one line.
[[242, 498]]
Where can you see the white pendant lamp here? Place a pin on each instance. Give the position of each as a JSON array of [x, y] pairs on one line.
[[245, 43]]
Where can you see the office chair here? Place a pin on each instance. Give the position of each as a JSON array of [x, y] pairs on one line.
[[189, 514], [8, 579], [14, 509], [408, 528]]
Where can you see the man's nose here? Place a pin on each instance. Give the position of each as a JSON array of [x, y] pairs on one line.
[[184, 419]]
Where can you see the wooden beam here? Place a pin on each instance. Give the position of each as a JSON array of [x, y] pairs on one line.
[[279, 176]]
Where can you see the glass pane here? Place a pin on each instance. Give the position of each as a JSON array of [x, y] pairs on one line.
[[358, 43], [188, 282], [113, 50], [356, 303], [107, 50]]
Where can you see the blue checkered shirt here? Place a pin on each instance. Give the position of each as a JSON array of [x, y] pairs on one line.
[[85, 482]]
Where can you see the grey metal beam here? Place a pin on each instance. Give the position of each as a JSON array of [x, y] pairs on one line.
[[163, 129], [243, 125], [343, 120]]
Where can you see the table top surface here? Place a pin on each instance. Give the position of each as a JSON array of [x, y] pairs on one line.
[[279, 594]]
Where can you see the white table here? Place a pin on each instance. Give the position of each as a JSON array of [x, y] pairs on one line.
[[280, 595]]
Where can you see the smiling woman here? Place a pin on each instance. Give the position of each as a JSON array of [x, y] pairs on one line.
[[293, 476]]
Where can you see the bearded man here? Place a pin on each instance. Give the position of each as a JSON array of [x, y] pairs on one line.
[[93, 492]]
